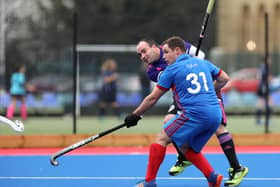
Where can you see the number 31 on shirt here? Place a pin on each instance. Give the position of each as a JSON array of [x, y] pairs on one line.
[[197, 84]]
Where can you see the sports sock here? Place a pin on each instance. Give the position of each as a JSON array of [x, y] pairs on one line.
[[10, 111], [156, 156], [23, 112], [199, 160], [227, 145]]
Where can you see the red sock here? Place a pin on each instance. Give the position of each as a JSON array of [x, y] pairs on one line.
[[200, 162], [23, 112], [156, 156], [10, 111]]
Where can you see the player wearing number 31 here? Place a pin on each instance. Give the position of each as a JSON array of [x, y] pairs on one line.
[[191, 80]]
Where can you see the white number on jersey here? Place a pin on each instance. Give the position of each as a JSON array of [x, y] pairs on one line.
[[195, 81]]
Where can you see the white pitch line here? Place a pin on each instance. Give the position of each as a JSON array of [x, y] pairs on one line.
[[126, 178]]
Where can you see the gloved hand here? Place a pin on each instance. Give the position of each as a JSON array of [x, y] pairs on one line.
[[132, 120]]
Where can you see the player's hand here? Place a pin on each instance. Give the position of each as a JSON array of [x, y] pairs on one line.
[[219, 94], [132, 120]]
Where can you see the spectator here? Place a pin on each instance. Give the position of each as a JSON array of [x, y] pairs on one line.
[[17, 92], [108, 92], [261, 93]]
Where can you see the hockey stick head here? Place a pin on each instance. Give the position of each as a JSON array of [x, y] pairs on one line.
[[16, 126], [19, 126], [82, 143], [54, 162]]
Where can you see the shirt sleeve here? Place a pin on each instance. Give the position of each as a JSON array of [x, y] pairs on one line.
[[165, 80], [154, 75], [215, 71], [154, 72]]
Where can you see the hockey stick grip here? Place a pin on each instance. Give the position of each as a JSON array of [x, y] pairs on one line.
[[204, 24], [210, 6], [81, 143]]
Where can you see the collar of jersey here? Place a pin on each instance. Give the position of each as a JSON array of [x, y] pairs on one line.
[[183, 57]]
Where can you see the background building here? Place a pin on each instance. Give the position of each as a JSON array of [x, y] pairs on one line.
[[240, 25]]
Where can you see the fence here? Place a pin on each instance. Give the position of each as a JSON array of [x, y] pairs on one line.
[[54, 84]]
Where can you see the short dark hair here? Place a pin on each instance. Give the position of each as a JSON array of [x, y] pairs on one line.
[[150, 42], [175, 41], [18, 67]]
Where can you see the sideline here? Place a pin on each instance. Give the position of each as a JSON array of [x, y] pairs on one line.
[[129, 150]]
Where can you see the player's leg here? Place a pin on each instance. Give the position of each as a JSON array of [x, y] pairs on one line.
[[104, 100], [112, 97], [156, 157], [199, 160], [11, 108], [259, 110], [23, 108], [116, 109], [196, 136], [101, 110], [181, 162], [259, 104], [236, 171], [270, 110]]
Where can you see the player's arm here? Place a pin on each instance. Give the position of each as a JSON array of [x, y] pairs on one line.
[[110, 78], [114, 77], [221, 80], [155, 71], [154, 75], [149, 101]]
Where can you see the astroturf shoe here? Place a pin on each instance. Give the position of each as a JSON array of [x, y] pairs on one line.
[[179, 167], [146, 184], [214, 180], [236, 176]]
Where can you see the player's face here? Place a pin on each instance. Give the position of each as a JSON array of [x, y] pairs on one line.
[[22, 69], [148, 54], [168, 54]]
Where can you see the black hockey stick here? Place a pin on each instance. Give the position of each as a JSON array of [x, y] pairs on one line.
[[81, 143], [204, 24]]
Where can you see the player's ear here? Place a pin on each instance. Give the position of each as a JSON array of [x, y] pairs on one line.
[[177, 50], [154, 46]]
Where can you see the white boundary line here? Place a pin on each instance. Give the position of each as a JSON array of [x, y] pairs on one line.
[[125, 178]]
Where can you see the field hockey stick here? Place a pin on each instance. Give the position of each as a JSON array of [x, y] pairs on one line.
[[17, 125], [204, 24], [81, 143]]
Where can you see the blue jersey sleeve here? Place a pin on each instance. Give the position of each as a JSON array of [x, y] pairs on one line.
[[215, 71], [166, 80]]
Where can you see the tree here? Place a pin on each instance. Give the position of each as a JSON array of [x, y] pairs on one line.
[[45, 32]]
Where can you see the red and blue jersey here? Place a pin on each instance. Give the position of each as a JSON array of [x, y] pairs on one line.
[[191, 80]]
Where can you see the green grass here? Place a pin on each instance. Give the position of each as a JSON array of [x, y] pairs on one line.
[[148, 125]]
